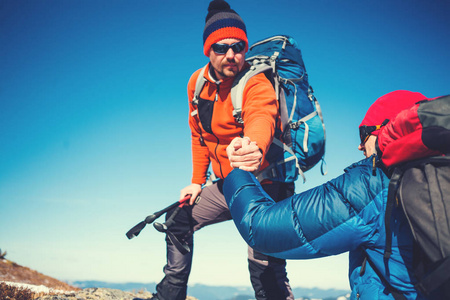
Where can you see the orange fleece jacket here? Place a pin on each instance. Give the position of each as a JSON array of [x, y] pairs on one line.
[[259, 112]]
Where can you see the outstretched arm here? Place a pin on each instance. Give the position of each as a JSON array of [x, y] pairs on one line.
[[327, 220]]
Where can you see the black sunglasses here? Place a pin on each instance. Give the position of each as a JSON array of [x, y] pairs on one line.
[[365, 131], [223, 48]]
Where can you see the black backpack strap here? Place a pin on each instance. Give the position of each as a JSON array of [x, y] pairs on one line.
[[398, 295], [390, 204]]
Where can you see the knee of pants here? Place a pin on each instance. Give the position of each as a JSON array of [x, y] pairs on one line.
[[183, 226], [259, 258]]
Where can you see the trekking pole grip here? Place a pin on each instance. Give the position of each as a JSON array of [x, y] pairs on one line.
[[171, 220]]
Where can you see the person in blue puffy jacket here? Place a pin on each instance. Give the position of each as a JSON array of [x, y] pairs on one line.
[[344, 214]]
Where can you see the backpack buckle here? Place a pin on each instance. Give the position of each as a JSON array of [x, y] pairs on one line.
[[237, 116], [295, 125]]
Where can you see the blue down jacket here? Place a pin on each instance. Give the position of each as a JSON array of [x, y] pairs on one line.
[[344, 214]]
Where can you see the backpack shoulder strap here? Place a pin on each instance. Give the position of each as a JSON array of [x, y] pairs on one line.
[[201, 80], [237, 90], [392, 193], [199, 84]]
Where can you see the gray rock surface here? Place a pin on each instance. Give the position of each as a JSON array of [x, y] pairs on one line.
[[99, 294], [102, 294]]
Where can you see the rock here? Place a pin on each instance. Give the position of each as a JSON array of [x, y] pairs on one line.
[[10, 272], [47, 288], [102, 294], [99, 294]]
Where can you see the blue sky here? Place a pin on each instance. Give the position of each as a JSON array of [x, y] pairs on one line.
[[93, 120]]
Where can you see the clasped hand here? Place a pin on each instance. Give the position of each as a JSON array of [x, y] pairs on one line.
[[244, 154]]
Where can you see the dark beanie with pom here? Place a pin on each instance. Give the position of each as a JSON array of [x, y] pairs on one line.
[[222, 23]]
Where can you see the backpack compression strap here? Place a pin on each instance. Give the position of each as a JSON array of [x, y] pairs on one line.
[[436, 279], [270, 171]]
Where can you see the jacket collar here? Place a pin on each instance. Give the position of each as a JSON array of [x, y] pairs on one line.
[[209, 75]]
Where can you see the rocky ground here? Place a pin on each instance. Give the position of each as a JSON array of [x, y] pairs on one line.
[[99, 294], [15, 273], [43, 287]]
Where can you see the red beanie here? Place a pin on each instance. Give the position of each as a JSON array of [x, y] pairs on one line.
[[388, 106]]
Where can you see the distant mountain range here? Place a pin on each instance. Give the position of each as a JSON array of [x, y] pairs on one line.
[[206, 292]]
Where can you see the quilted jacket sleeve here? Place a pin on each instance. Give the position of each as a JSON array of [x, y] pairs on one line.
[[333, 218]]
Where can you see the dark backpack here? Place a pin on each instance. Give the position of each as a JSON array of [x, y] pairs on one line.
[[422, 188]]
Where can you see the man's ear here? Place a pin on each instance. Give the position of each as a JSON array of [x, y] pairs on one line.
[[370, 146]]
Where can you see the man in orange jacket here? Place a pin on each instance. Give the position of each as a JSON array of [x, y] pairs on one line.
[[213, 128]]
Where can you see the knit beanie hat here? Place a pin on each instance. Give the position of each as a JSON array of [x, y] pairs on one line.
[[221, 23], [388, 106]]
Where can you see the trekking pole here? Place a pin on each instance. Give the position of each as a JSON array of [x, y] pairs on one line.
[[133, 232], [164, 227]]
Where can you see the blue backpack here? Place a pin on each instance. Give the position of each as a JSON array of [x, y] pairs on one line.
[[301, 144]]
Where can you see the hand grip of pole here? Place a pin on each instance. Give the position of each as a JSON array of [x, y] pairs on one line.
[[133, 232], [162, 227]]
